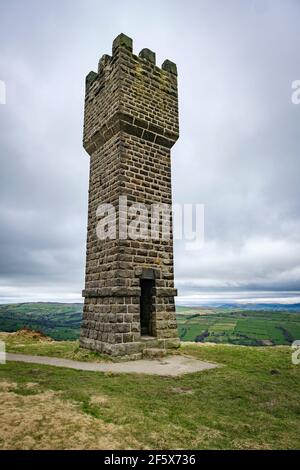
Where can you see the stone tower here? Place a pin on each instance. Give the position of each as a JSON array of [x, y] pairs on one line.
[[130, 125]]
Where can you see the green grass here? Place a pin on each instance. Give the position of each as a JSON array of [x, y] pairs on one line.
[[29, 343], [250, 402], [58, 320], [245, 327]]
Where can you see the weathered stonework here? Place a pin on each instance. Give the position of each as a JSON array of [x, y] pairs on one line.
[[130, 125]]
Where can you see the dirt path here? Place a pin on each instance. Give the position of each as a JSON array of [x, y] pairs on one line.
[[169, 366]]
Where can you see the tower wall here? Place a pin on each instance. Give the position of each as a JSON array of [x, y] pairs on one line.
[[130, 125]]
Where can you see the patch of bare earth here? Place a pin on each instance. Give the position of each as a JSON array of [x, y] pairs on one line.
[[45, 421]]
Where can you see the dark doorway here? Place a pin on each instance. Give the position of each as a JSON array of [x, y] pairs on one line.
[[146, 306]]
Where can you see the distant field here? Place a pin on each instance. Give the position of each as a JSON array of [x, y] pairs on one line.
[[218, 325], [235, 326], [57, 320]]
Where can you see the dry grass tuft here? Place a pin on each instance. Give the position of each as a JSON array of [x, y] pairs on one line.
[[182, 391], [98, 400], [31, 385], [7, 386], [44, 421], [29, 334]]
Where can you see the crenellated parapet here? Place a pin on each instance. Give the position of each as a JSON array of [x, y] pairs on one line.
[[130, 93]]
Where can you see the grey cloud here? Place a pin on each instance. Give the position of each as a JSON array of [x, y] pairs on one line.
[[238, 152]]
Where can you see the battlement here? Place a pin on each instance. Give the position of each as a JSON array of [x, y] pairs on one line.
[[132, 94], [126, 43]]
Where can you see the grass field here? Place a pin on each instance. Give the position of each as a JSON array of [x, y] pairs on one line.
[[250, 402], [234, 326], [58, 320]]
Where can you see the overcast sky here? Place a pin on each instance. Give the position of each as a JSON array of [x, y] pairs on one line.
[[238, 153]]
